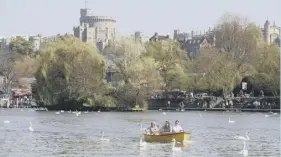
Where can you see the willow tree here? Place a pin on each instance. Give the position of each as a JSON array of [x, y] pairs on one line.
[[238, 37], [70, 72], [220, 71], [267, 64], [172, 63], [136, 75]]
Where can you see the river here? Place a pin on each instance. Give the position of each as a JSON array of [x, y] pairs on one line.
[[66, 135]]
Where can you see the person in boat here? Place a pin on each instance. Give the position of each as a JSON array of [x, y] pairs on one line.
[[153, 129], [177, 128], [167, 127]]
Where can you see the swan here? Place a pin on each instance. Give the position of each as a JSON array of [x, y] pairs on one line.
[[78, 113], [6, 121], [266, 115], [275, 114], [230, 121], [30, 128], [62, 111], [69, 111], [57, 112], [98, 110], [86, 111], [103, 139], [160, 109], [244, 152], [182, 110], [142, 143], [164, 113], [244, 138], [176, 149]]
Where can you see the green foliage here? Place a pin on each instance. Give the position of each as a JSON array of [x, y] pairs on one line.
[[267, 63], [136, 74], [100, 100], [172, 63], [21, 46], [70, 70]]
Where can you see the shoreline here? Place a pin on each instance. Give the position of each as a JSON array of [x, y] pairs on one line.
[[174, 110]]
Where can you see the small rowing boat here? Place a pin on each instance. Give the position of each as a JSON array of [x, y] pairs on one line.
[[167, 137]]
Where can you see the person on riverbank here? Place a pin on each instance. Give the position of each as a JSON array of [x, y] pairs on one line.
[[177, 128], [167, 127], [153, 129]]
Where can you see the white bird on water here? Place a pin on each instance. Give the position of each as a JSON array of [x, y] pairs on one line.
[[244, 138], [62, 111], [86, 111], [244, 152], [78, 113], [98, 110], [174, 148], [30, 128], [6, 121], [231, 121], [266, 116], [164, 113], [142, 143], [102, 138], [57, 112], [69, 111]]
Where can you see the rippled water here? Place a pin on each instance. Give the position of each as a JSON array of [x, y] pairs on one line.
[[66, 135]]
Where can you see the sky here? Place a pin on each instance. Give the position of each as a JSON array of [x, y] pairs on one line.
[[51, 17]]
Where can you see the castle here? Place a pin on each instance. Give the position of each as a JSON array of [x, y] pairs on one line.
[[99, 30], [194, 41]]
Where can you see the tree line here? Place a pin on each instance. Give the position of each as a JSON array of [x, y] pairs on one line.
[[72, 73]]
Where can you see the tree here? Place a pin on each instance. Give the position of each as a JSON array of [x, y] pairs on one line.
[[70, 72], [238, 37], [267, 64], [7, 60], [220, 71], [21, 46], [136, 75], [172, 63], [26, 66]]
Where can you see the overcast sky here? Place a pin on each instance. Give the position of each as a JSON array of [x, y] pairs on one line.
[[50, 17]]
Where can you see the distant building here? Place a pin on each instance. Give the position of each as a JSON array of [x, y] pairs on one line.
[[138, 36], [193, 42], [271, 33], [157, 37], [35, 40], [99, 30]]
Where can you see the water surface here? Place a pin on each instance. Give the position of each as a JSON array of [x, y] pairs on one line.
[[66, 135]]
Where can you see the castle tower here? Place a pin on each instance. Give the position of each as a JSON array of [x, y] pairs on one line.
[[266, 32], [176, 32]]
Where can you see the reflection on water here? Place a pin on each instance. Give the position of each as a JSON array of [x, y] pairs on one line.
[[66, 135]]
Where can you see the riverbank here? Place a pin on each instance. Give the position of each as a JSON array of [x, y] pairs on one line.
[[220, 109]]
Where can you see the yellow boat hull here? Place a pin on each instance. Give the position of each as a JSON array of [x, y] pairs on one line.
[[167, 137]]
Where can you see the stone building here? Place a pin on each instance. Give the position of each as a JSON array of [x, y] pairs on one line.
[[36, 41], [271, 33], [192, 42], [99, 30], [138, 36], [157, 37]]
